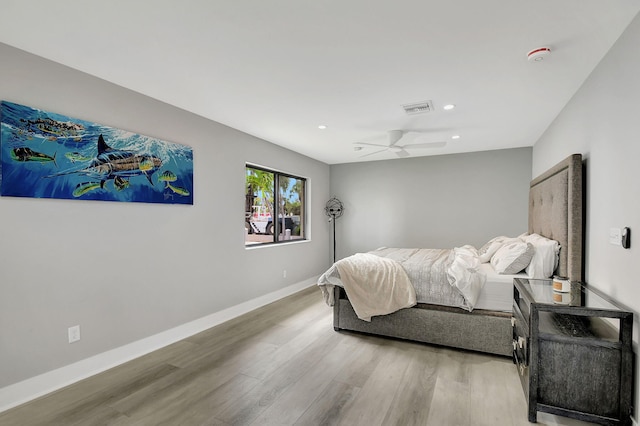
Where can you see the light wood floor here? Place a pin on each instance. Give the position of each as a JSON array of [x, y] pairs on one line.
[[284, 364]]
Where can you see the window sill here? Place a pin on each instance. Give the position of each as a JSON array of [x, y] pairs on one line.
[[279, 244]]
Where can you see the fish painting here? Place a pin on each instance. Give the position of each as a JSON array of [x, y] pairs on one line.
[[121, 183], [167, 177], [27, 154], [45, 154], [76, 156], [112, 163], [83, 188], [178, 190]]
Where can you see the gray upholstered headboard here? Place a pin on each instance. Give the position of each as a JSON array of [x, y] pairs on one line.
[[555, 211]]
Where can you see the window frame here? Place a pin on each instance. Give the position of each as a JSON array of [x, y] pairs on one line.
[[277, 174]]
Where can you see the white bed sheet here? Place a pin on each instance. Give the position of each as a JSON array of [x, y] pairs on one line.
[[497, 294]]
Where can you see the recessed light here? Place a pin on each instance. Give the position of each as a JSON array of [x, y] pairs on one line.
[[322, 127], [455, 137], [449, 107]]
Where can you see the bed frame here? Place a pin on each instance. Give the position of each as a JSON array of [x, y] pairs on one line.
[[555, 211]]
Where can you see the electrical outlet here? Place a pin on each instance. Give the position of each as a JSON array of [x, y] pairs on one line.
[[284, 273], [74, 333]]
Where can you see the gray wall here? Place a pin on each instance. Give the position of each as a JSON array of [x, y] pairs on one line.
[[602, 122], [433, 202], [125, 271]]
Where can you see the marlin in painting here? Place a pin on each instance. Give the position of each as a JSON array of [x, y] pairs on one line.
[[113, 163]]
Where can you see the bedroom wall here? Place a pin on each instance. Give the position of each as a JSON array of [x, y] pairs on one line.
[[601, 122], [127, 271], [436, 202]]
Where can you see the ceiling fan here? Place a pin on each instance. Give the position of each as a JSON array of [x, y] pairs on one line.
[[395, 136]]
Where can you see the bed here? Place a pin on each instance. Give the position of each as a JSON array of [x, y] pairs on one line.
[[555, 212]]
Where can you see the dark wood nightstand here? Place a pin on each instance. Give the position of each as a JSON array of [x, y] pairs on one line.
[[573, 352]]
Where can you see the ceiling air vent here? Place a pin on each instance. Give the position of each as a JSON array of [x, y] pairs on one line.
[[418, 108]]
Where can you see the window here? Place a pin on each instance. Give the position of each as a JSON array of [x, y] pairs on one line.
[[273, 195]]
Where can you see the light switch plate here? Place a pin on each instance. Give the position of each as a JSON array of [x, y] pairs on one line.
[[615, 236]]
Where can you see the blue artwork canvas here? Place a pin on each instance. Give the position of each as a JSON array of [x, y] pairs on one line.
[[48, 155]]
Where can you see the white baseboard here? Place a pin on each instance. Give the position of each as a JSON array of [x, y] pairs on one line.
[[27, 390]]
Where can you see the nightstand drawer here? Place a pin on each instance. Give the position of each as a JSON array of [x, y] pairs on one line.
[[520, 338], [523, 373]]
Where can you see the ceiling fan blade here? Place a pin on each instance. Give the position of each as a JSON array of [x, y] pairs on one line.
[[402, 153], [395, 136], [371, 144], [426, 145], [374, 152]]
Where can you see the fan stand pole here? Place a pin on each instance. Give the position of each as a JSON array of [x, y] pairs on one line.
[[334, 238]]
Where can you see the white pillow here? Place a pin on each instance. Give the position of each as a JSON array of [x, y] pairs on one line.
[[512, 257], [491, 247], [545, 257]]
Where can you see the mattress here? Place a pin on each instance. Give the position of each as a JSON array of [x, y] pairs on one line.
[[497, 294]]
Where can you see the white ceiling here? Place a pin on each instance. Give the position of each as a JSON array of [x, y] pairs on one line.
[[277, 69]]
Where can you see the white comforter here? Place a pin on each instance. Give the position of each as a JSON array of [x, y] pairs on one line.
[[375, 285], [445, 277]]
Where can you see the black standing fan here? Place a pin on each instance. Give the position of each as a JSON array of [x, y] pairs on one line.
[[334, 210]]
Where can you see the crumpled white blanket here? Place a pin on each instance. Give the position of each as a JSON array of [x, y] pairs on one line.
[[456, 269], [375, 285]]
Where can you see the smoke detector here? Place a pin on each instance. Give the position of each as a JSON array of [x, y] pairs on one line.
[[537, 55]]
